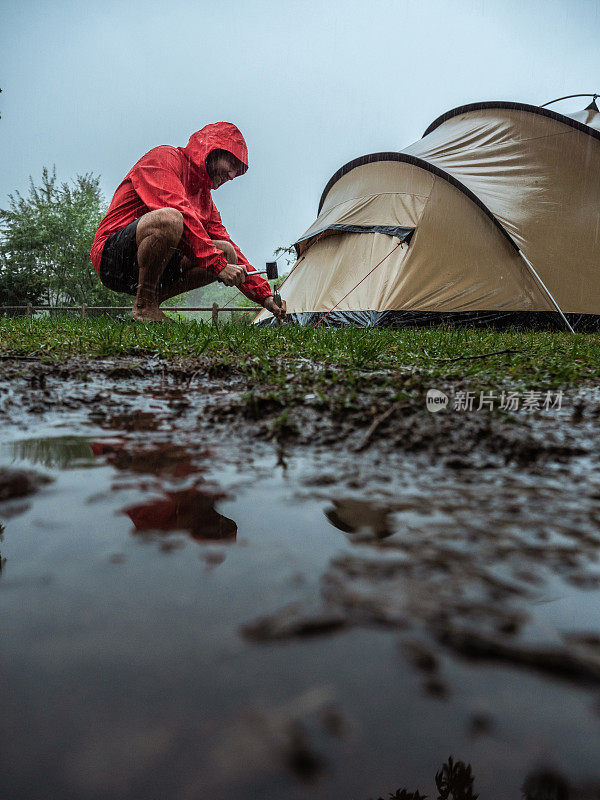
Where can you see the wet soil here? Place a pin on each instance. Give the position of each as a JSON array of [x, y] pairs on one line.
[[214, 588]]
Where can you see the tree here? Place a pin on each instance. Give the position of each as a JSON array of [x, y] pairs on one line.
[[45, 243]]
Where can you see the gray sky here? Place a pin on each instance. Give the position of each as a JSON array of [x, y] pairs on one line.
[[91, 86]]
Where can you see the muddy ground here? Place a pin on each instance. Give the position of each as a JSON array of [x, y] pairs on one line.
[[458, 580]]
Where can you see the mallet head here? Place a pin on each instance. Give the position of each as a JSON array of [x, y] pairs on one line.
[[271, 270]]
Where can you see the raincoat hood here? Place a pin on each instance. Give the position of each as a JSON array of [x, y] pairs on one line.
[[216, 136]]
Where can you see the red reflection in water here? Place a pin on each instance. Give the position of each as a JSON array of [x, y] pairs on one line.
[[189, 510], [169, 459]]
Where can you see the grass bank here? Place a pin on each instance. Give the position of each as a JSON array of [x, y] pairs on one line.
[[542, 360]]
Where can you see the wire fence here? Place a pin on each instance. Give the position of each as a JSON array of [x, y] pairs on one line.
[[84, 309]]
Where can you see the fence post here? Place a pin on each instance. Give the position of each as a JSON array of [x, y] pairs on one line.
[[215, 314], [29, 310], [84, 309]]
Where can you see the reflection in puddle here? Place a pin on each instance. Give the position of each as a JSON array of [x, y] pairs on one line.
[[360, 517], [191, 510], [58, 452], [162, 459], [150, 662], [134, 421]]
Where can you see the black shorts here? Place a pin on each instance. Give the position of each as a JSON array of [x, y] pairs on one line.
[[119, 269]]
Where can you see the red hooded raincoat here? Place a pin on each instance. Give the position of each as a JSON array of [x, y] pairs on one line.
[[176, 177]]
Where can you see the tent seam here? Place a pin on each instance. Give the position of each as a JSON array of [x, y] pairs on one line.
[[375, 194], [507, 106], [422, 163]]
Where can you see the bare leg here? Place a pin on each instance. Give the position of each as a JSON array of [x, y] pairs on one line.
[[194, 277], [157, 235]]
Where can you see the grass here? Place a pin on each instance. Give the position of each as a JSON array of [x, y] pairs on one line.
[[543, 360]]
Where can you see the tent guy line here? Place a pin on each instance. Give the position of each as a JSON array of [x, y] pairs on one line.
[[399, 245], [545, 288]]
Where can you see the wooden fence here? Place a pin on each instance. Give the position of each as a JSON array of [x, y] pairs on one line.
[[83, 309]]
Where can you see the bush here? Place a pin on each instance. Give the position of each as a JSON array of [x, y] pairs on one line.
[[45, 243]]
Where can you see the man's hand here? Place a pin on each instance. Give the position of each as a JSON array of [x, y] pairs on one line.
[[233, 275], [277, 311]]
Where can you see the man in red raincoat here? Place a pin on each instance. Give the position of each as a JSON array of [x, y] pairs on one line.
[[162, 234]]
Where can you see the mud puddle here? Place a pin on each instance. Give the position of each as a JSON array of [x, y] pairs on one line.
[[192, 608]]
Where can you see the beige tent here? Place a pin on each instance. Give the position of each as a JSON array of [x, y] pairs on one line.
[[493, 217]]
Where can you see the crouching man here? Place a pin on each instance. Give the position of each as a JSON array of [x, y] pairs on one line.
[[162, 234]]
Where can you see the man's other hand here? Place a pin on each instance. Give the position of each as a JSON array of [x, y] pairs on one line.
[[277, 311], [233, 275]]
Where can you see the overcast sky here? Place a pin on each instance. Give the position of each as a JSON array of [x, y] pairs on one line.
[[91, 86]]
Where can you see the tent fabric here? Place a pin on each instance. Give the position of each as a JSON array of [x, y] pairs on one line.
[[523, 107], [484, 270], [409, 159], [539, 177], [588, 116], [489, 188]]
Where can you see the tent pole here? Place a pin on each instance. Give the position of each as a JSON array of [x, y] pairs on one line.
[[544, 287], [567, 96]]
